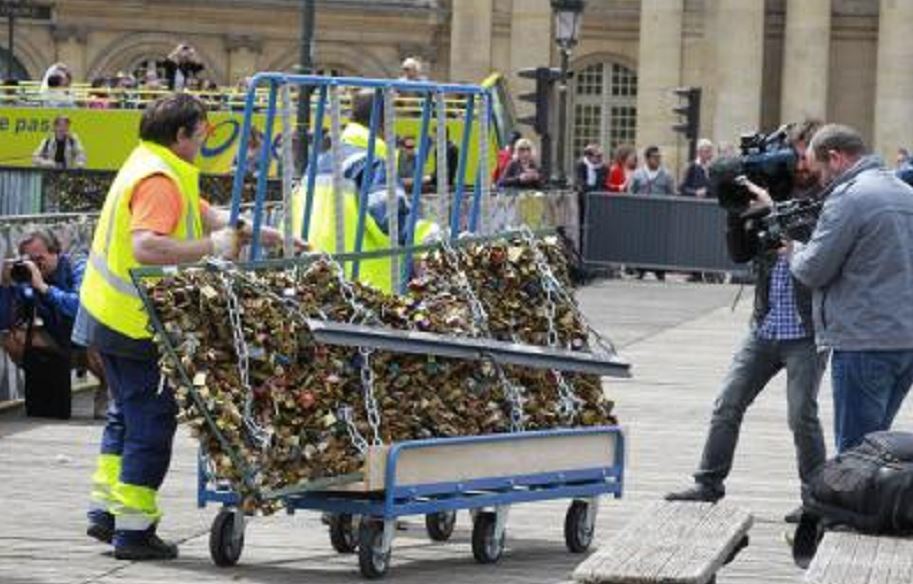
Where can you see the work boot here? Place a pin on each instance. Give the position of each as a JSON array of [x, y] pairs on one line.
[[144, 545], [794, 516], [699, 492], [101, 526]]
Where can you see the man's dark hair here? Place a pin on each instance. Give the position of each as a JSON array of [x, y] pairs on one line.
[[803, 131], [164, 118], [837, 137], [45, 236], [362, 103], [651, 151]]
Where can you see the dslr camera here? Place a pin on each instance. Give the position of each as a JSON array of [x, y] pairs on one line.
[[768, 161], [19, 272]]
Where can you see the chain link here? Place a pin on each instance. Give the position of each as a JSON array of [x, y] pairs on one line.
[[257, 432], [479, 314], [603, 344], [515, 392], [366, 372], [568, 402], [358, 441], [367, 385]]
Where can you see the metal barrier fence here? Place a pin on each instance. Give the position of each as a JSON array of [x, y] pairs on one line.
[[29, 191], [661, 232]]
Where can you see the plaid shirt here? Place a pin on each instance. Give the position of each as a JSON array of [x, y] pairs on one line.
[[782, 321]]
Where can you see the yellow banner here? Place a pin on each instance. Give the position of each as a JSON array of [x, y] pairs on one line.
[[108, 136]]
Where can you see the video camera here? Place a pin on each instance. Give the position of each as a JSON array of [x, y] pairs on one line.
[[768, 161]]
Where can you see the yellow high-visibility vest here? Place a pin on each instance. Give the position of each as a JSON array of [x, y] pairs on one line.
[[107, 291], [322, 228]]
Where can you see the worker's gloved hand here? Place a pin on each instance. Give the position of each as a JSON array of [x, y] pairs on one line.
[[434, 234], [226, 243]]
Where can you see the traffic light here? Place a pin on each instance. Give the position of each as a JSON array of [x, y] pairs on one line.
[[690, 109], [545, 78]]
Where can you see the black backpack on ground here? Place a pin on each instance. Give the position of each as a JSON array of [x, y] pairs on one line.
[[868, 489]]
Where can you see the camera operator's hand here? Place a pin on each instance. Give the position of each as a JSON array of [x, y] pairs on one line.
[[37, 282], [759, 195]]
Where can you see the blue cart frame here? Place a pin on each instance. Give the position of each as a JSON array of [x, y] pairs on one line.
[[379, 510]]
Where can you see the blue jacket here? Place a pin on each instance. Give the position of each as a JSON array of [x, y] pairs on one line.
[[57, 309]]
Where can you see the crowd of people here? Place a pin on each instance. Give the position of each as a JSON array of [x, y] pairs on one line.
[[180, 70]]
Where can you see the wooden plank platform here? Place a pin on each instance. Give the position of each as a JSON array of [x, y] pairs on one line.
[[450, 463], [669, 542], [853, 558]]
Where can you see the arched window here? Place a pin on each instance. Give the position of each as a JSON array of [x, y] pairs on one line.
[[605, 107]]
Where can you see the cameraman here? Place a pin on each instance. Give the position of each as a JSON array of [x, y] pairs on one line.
[[859, 264], [39, 295], [781, 336]]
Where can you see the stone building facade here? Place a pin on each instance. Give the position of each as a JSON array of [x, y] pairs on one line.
[[759, 62]]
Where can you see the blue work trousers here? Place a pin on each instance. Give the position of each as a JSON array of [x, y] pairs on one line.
[[141, 421], [869, 387]]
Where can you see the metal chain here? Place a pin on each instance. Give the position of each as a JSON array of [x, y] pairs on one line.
[[568, 402], [367, 385], [366, 372], [516, 395], [515, 392], [257, 433], [358, 441], [479, 314], [605, 346]]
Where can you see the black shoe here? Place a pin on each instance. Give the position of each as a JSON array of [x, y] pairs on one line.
[[794, 516], [101, 526], [699, 493], [102, 533], [152, 548]]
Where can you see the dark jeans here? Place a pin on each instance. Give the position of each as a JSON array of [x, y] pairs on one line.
[[869, 387], [753, 366], [141, 421]]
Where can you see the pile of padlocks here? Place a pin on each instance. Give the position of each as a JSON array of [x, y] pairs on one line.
[[289, 409]]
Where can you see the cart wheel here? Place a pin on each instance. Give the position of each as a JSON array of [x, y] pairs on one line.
[[577, 534], [372, 559], [485, 548], [223, 547], [440, 525], [343, 536]]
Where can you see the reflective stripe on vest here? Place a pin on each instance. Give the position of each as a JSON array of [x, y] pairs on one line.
[[107, 291]]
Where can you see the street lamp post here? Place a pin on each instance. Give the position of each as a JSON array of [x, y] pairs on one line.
[[568, 17], [306, 66]]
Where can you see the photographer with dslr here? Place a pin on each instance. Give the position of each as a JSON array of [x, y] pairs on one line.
[[859, 264], [39, 295], [781, 334]]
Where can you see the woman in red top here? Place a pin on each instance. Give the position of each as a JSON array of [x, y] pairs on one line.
[[623, 164]]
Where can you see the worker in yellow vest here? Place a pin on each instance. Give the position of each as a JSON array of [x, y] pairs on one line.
[[355, 170], [153, 215]]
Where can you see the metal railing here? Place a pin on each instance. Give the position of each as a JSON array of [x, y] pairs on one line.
[[36, 190]]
